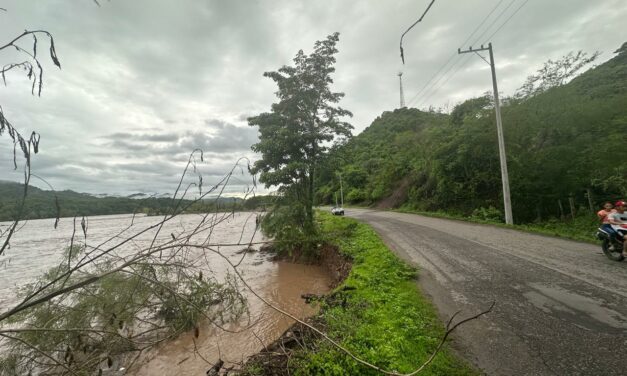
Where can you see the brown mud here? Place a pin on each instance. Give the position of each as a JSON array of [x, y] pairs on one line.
[[274, 358]]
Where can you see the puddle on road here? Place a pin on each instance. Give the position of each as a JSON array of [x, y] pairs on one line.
[[556, 300], [283, 286]]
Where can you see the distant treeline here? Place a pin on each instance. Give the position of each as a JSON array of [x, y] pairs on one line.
[[48, 204], [564, 145]]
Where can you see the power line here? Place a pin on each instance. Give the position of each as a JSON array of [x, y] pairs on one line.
[[482, 22], [494, 21], [490, 37], [424, 95], [459, 67], [454, 54], [435, 89], [431, 79], [507, 20]]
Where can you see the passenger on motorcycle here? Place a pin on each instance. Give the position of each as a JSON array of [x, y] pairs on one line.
[[608, 208], [619, 218], [603, 214]]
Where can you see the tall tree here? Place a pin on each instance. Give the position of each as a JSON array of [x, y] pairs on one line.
[[555, 73], [300, 126]]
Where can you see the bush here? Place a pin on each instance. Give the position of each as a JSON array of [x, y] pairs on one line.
[[490, 214], [356, 195], [286, 224]]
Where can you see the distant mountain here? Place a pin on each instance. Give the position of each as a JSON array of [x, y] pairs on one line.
[[48, 204], [137, 195]]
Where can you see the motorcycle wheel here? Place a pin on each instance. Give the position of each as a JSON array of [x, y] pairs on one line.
[[614, 256]]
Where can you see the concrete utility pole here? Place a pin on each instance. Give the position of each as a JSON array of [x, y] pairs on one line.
[[507, 202], [341, 192], [400, 81]]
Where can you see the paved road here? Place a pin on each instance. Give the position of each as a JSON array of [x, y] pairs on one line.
[[561, 305]]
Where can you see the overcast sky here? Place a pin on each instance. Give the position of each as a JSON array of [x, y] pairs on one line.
[[145, 82]]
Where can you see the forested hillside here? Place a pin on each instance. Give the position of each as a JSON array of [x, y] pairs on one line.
[[566, 141], [48, 204]]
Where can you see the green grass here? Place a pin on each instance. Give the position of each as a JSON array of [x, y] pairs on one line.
[[385, 321], [582, 228]]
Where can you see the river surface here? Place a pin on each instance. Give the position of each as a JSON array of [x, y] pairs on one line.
[[38, 246]]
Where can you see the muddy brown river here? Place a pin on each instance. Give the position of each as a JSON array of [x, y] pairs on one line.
[[38, 246]]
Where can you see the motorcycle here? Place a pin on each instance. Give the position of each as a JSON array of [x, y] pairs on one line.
[[613, 245]]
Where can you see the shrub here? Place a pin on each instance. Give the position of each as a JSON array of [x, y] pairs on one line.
[[490, 214]]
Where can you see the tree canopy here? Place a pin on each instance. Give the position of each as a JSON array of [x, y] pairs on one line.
[[299, 128]]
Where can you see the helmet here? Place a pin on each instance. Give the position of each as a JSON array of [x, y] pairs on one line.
[[620, 203]]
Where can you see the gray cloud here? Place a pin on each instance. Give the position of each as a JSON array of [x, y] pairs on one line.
[[145, 82], [220, 138], [155, 137]]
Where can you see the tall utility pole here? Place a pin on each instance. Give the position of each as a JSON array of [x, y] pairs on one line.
[[341, 192], [507, 202], [400, 82]]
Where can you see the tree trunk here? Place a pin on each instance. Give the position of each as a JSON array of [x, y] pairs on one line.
[[310, 198], [571, 201], [590, 204], [538, 213]]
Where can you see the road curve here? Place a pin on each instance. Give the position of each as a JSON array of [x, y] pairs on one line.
[[561, 306]]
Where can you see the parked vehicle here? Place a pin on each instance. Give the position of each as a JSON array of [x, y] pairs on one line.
[[336, 210], [613, 245]]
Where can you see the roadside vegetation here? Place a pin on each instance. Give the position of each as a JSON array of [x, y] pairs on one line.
[[581, 228], [377, 313]]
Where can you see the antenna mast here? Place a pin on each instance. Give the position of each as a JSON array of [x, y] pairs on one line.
[[400, 81]]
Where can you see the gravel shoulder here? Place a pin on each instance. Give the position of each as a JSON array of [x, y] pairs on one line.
[[561, 306]]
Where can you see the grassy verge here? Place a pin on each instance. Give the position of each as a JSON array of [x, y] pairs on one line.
[[581, 228], [377, 313]]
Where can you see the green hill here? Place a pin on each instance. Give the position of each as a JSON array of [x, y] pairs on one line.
[[564, 142]]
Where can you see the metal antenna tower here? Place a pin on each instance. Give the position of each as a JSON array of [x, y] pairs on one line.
[[400, 81]]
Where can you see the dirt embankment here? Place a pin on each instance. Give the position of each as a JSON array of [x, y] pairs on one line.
[[398, 196], [273, 359]]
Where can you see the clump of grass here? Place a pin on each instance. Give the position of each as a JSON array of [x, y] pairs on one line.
[[581, 228]]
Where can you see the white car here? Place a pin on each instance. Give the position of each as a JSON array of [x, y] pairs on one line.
[[337, 211]]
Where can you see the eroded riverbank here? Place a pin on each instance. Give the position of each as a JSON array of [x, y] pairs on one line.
[[282, 284]]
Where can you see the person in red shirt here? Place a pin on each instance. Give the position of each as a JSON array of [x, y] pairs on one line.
[[608, 208], [603, 215]]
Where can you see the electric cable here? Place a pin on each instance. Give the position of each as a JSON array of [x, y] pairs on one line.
[[432, 90], [455, 54]]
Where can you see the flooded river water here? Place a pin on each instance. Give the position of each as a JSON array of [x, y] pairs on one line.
[[38, 246]]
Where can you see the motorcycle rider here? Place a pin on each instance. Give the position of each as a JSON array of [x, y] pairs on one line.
[[603, 214], [608, 208], [619, 217]]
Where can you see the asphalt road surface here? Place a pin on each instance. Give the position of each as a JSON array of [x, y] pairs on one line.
[[561, 306]]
